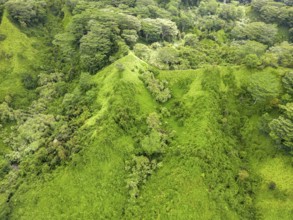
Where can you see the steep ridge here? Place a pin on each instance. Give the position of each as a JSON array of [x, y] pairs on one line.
[[18, 59], [208, 169]]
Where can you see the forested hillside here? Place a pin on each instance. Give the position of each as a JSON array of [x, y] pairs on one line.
[[146, 109]]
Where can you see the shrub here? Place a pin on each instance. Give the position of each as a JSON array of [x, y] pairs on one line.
[[29, 81], [252, 61], [272, 185], [287, 82], [157, 88], [2, 37], [6, 113]]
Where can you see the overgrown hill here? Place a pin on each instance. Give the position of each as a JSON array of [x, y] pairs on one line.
[[18, 56], [217, 161], [145, 110]]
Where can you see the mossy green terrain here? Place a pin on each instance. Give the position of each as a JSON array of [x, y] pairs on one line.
[[208, 171], [101, 117], [18, 57]]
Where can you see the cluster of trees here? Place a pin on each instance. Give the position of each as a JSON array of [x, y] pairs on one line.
[[96, 46], [27, 13], [47, 131], [195, 53], [182, 34], [274, 11], [217, 33], [103, 31], [258, 31], [7, 114], [148, 158], [159, 29], [282, 127], [101, 36], [139, 168], [158, 88]]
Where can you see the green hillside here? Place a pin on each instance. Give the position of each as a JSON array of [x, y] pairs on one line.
[[146, 109]]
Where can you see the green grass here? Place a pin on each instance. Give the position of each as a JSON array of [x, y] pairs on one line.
[[67, 16], [277, 203], [198, 177], [18, 57]]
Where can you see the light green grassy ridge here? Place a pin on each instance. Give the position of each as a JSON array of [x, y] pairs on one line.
[[93, 184], [17, 57]]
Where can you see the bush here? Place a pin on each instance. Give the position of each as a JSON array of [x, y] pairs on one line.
[[85, 82], [2, 37], [29, 81], [142, 51], [7, 114], [272, 185], [4, 168], [157, 88], [120, 67], [252, 61], [287, 82]]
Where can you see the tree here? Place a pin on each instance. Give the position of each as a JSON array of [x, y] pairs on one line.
[[258, 4], [169, 29], [85, 82], [130, 3], [96, 47], [64, 44], [207, 8], [71, 4], [33, 133], [151, 30], [157, 88], [210, 23], [190, 40], [185, 21], [130, 37], [284, 54], [258, 31], [128, 22], [169, 56], [252, 61], [153, 121], [287, 82], [29, 81], [152, 144], [190, 2], [264, 87], [230, 12], [159, 29], [6, 113], [245, 47], [282, 127], [27, 13], [270, 13], [142, 51], [2, 8], [78, 26]]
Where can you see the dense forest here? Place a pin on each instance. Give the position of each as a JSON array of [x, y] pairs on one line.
[[146, 109]]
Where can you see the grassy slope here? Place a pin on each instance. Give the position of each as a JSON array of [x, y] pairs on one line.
[[18, 57], [93, 185]]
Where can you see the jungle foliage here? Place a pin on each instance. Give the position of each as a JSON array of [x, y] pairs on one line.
[[171, 109]]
